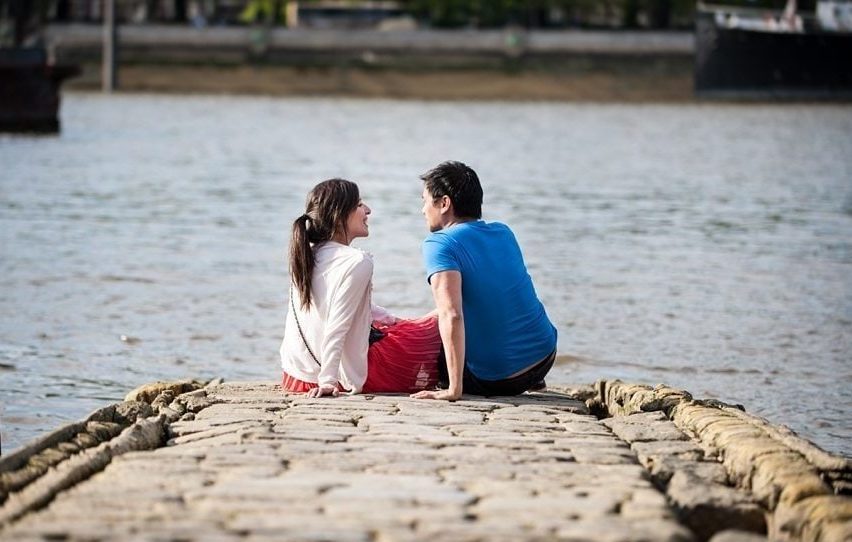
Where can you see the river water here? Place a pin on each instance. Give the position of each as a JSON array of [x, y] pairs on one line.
[[705, 246]]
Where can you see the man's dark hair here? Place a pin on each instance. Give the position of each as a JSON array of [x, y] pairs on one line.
[[460, 183]]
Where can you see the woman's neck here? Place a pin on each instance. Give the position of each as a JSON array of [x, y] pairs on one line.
[[341, 238]]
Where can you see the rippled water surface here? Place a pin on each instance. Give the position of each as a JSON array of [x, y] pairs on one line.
[[705, 246]]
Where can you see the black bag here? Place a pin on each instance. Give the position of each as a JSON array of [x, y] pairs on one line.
[[376, 334]]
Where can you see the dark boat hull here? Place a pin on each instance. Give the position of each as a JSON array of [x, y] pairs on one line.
[[29, 91], [740, 63]]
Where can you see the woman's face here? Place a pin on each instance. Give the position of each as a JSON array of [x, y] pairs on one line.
[[356, 224]]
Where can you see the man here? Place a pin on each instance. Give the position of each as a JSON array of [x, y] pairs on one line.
[[497, 337]]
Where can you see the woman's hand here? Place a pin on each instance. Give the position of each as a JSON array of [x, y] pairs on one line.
[[444, 395], [324, 389]]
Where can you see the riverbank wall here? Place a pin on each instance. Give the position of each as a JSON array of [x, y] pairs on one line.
[[611, 461], [424, 64]]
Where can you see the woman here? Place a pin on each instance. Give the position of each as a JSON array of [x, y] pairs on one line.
[[326, 347]]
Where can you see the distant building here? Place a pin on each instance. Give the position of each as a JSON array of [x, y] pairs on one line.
[[322, 14], [340, 14], [400, 13]]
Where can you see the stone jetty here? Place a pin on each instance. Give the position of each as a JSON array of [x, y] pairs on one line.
[[244, 461]]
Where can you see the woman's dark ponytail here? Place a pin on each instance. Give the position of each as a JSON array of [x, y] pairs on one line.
[[301, 259], [328, 207]]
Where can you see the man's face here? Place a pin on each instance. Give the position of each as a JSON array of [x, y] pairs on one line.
[[432, 211]]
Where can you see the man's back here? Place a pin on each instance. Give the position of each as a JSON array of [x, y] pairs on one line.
[[506, 327]]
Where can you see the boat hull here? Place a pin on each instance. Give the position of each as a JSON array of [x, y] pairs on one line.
[[29, 91], [735, 62]]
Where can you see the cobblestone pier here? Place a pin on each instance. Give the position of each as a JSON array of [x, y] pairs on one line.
[[244, 461]]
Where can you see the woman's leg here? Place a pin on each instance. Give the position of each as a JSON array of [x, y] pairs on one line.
[[406, 359], [294, 385]]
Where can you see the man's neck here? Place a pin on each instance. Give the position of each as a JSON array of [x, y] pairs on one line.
[[457, 220]]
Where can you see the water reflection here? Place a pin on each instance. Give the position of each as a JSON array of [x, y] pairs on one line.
[[705, 246]]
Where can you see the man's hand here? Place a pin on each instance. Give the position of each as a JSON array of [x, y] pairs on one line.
[[444, 395], [325, 389]]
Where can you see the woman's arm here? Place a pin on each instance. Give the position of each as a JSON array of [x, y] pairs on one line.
[[349, 296], [382, 315]]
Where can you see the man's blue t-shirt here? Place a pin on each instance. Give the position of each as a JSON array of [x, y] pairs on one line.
[[506, 328]]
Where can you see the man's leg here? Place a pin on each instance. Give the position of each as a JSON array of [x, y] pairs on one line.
[[530, 380]]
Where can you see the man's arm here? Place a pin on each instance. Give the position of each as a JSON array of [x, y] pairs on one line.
[[446, 288]]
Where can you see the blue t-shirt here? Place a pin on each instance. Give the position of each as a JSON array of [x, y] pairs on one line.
[[506, 328]]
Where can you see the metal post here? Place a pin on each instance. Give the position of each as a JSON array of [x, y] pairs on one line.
[[291, 9], [109, 75]]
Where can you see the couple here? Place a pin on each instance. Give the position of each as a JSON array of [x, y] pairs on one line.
[[489, 333]]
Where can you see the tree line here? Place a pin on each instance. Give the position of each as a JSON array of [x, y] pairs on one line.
[[658, 14], [19, 17]]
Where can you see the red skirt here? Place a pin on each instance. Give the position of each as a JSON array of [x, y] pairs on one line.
[[404, 361]]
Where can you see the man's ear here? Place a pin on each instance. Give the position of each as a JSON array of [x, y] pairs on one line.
[[446, 204]]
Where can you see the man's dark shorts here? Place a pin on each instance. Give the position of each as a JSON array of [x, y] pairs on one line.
[[531, 379]]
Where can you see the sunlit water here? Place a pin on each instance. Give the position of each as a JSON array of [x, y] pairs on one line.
[[705, 246]]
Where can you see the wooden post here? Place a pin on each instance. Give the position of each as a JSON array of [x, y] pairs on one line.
[[291, 9], [109, 66]]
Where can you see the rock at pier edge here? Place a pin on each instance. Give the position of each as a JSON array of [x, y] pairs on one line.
[[244, 461]]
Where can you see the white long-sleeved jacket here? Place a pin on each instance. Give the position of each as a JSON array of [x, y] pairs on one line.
[[336, 325]]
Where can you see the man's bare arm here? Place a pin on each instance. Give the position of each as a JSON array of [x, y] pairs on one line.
[[446, 289]]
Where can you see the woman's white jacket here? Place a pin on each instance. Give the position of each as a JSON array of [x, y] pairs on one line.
[[336, 325]]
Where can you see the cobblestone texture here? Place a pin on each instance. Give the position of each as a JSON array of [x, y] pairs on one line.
[[254, 463], [245, 461]]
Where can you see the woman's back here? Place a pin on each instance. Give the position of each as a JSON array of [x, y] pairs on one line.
[[336, 324]]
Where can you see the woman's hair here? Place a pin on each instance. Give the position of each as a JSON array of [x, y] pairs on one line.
[[326, 211]]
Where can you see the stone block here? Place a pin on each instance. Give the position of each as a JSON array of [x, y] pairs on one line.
[[799, 489], [317, 531], [586, 428], [325, 418], [565, 503], [839, 531], [396, 514], [523, 415], [318, 434], [724, 433], [522, 426], [697, 417], [644, 428], [740, 457], [616, 529], [148, 392], [402, 493], [420, 467], [401, 428], [807, 518], [785, 473], [296, 487], [475, 531], [572, 441], [647, 503], [641, 418], [482, 487], [709, 508], [664, 468], [611, 455], [440, 420], [568, 417], [683, 449]]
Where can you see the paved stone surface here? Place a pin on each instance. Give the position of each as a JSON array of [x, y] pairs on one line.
[[244, 461], [770, 480], [255, 463]]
